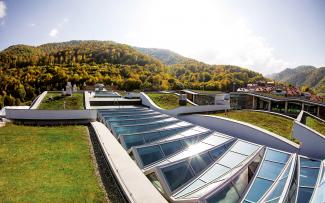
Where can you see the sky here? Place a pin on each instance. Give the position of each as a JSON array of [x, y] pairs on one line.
[[266, 36]]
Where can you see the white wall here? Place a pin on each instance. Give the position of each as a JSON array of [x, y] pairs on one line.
[[242, 130], [38, 100], [181, 110], [22, 114]]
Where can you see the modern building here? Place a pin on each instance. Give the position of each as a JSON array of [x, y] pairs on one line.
[[287, 105], [157, 157], [189, 163]]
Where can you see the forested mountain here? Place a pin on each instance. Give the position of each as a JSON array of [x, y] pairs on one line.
[[26, 71], [303, 76], [165, 56]]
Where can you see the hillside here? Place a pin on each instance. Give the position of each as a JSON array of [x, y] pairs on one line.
[[165, 56], [303, 76], [26, 71]]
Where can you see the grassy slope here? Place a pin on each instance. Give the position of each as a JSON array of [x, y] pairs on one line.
[[54, 101], [276, 124], [315, 124], [165, 101], [47, 164]]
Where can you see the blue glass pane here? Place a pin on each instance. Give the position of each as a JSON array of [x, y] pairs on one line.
[[227, 195], [309, 162], [304, 195], [308, 176], [178, 174], [278, 190], [200, 162], [153, 136], [133, 140], [276, 156], [232, 159], [189, 141], [150, 154], [258, 189], [270, 170], [214, 172], [171, 147], [244, 148], [216, 153]]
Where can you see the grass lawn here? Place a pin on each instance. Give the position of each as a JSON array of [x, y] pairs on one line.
[[165, 101], [315, 124], [276, 124], [47, 164], [54, 101]]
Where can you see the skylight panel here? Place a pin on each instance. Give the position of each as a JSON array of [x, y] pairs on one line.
[[177, 174]]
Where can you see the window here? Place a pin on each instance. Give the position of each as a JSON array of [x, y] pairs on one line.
[[309, 162], [272, 155], [178, 174], [231, 159], [133, 140], [244, 148], [227, 195], [150, 154], [200, 162], [308, 176], [258, 189], [214, 172], [171, 147], [270, 170]]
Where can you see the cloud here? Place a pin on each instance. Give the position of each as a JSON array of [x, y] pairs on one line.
[[31, 25], [54, 32], [208, 31], [2, 9]]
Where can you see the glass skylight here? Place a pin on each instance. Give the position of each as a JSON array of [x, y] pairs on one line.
[[271, 167], [309, 170]]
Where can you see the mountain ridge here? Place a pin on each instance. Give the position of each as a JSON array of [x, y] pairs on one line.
[[304, 75]]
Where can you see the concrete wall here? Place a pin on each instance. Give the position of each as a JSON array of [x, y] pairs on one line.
[[27, 114], [38, 100], [146, 101], [313, 142], [87, 100], [243, 131]]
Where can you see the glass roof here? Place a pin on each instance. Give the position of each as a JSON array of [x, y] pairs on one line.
[[309, 170], [270, 169], [143, 127], [226, 163], [319, 195], [166, 148], [277, 191], [138, 120], [130, 140], [197, 163]]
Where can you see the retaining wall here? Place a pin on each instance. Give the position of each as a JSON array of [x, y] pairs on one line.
[[38, 100], [313, 142], [146, 101]]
